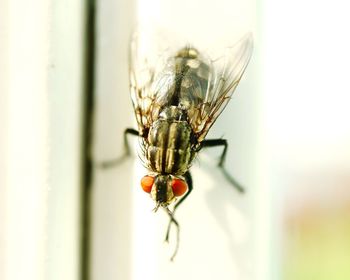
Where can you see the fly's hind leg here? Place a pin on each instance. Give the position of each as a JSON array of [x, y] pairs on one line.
[[217, 143], [116, 161], [173, 220], [188, 179]]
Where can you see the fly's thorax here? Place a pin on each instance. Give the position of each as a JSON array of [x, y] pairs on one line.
[[173, 113], [169, 146]]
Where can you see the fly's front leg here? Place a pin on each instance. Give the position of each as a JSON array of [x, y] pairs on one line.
[[117, 161], [188, 179], [217, 143]]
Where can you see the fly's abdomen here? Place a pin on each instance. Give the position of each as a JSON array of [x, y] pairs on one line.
[[169, 147]]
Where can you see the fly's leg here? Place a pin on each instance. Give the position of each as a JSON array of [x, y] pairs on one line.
[[173, 220], [119, 160], [188, 179], [222, 142]]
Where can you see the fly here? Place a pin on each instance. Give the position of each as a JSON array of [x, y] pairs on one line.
[[177, 96]]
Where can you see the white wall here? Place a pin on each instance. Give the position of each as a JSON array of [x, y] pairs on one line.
[[111, 197], [305, 106], [288, 119], [218, 225], [40, 125]]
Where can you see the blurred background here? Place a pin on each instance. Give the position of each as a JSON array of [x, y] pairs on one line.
[[64, 104]]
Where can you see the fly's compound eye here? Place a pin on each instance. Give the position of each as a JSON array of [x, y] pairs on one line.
[[179, 187], [147, 183]]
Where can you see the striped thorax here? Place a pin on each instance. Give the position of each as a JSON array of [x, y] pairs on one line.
[[169, 143]]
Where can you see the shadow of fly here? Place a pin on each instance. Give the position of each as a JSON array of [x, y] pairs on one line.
[[177, 95]]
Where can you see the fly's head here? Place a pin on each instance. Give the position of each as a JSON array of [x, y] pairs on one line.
[[164, 188]]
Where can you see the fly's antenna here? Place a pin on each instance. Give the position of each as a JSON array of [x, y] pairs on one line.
[[173, 220]]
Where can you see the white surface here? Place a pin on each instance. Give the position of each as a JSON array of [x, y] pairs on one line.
[[111, 200], [307, 80], [305, 106], [218, 229], [41, 87], [289, 118], [65, 95], [217, 223], [26, 135]]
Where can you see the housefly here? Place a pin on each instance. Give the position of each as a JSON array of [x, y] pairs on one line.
[[177, 95]]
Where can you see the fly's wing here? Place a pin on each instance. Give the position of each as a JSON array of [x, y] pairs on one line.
[[147, 52], [228, 72], [141, 76], [206, 87]]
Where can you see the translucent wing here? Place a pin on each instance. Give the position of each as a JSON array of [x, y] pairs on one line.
[[147, 52], [160, 73], [227, 72], [141, 77]]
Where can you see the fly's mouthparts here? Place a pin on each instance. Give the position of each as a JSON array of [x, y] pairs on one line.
[[155, 209]]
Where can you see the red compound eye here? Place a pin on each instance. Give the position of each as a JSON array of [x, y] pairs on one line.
[[179, 187], [147, 183]]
